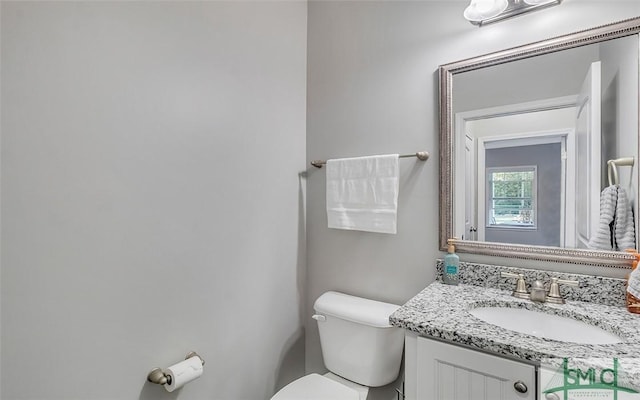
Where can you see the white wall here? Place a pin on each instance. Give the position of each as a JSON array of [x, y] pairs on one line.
[[151, 203], [620, 110], [372, 88], [620, 105]]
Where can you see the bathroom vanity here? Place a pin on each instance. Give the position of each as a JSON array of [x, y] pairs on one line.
[[444, 371], [452, 354]]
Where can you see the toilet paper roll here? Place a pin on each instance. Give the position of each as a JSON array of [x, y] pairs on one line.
[[183, 373]]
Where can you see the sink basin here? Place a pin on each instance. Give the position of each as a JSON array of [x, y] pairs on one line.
[[544, 325]]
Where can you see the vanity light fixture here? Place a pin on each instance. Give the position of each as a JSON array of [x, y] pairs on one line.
[[482, 12]]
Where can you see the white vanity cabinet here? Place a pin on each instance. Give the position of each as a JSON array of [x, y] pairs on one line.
[[436, 370]]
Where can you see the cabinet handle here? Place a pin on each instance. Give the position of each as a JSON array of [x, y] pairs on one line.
[[520, 387]]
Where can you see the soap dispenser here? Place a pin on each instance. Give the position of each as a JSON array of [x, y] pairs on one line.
[[451, 265]]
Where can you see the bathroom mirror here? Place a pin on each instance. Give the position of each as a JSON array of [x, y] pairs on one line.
[[524, 158]]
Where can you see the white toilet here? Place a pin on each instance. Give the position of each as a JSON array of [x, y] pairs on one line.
[[359, 347]]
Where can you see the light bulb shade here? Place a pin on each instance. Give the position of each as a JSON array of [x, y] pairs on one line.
[[536, 2], [480, 10]]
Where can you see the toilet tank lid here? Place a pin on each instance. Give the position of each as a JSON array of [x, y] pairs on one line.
[[355, 309]]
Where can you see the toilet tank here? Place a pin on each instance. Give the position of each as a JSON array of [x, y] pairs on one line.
[[357, 341]]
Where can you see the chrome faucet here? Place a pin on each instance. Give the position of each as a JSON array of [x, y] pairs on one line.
[[538, 291]]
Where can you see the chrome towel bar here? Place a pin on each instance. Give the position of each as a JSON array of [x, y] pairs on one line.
[[422, 156]]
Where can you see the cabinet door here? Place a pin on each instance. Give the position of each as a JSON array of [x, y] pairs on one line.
[[448, 372]]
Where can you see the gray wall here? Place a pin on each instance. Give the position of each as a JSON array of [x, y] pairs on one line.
[[372, 88], [524, 80], [151, 203]]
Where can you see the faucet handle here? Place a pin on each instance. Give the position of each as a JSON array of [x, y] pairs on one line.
[[554, 295], [521, 286]]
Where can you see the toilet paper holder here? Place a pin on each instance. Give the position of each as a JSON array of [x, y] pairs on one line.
[[157, 376]]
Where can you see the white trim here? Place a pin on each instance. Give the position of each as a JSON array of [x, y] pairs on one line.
[[518, 108], [523, 141], [481, 189]]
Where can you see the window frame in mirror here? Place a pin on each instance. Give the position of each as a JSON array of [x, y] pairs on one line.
[[446, 73]]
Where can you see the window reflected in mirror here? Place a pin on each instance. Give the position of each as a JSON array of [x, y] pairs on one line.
[[511, 202]]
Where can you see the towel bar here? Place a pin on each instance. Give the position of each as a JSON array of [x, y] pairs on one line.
[[422, 156], [612, 168]]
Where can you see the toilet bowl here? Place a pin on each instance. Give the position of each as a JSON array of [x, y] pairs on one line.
[[359, 347], [322, 387]]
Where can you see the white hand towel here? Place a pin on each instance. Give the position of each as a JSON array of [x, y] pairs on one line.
[[362, 193]]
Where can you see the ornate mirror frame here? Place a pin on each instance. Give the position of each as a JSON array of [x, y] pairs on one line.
[[447, 160]]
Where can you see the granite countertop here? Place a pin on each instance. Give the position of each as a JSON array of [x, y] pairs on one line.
[[442, 311]]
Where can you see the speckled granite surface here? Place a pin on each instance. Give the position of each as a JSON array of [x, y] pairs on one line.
[[442, 311], [597, 289]]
